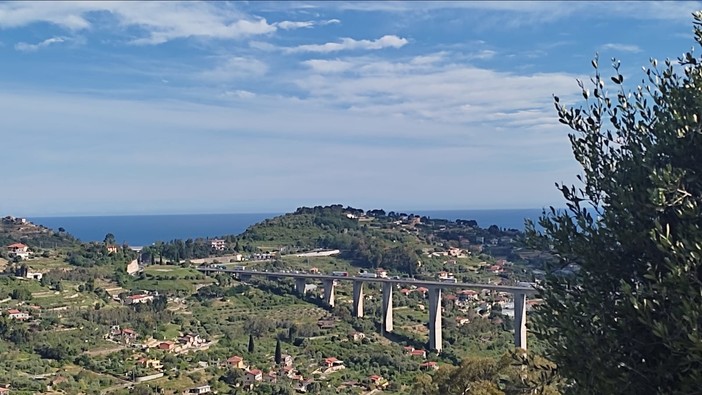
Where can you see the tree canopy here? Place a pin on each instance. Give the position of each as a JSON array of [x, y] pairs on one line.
[[622, 311]]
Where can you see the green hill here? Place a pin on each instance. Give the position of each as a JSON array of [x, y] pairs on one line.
[[19, 230]]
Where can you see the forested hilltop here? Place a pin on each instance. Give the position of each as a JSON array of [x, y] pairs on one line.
[[395, 241]]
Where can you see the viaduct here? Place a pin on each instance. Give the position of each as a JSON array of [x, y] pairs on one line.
[[435, 319]]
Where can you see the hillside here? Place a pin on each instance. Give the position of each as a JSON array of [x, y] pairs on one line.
[[19, 230]]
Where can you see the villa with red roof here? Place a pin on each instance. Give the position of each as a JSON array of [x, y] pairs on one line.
[[252, 377], [19, 249], [236, 361], [15, 314]]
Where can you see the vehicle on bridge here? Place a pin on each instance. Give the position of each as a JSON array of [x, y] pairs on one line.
[[367, 274], [240, 268], [451, 280], [340, 274]]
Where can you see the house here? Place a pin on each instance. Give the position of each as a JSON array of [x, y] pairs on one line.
[[418, 353], [203, 389], [423, 290], [289, 372], [236, 361], [378, 381], [190, 340], [217, 244], [429, 366], [252, 377], [166, 346], [382, 273], [18, 249], [111, 249], [150, 363], [15, 314], [444, 275], [460, 321], [286, 360], [270, 377], [314, 270], [302, 385], [405, 291], [34, 275], [128, 335], [4, 390], [332, 362], [356, 336], [408, 349], [134, 299]]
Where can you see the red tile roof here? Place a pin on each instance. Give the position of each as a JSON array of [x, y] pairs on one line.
[[13, 311], [16, 245], [254, 372]]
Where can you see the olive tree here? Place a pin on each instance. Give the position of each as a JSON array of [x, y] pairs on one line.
[[621, 311]]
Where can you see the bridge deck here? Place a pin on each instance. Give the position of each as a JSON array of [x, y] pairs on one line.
[[422, 283]]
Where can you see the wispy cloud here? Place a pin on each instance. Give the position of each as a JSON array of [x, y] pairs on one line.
[[26, 47], [621, 47], [157, 22], [387, 41], [328, 66], [235, 67], [291, 25]]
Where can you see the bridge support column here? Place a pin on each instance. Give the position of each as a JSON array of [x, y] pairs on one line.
[[329, 292], [387, 307], [358, 299], [300, 286], [435, 338], [520, 332]]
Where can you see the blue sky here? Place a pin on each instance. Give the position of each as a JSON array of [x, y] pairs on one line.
[[192, 107]]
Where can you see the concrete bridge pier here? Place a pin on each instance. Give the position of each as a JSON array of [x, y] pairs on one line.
[[520, 330], [329, 292], [358, 299], [300, 286], [387, 307], [435, 338]]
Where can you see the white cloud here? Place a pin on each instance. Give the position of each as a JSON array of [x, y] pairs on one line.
[[290, 25], [328, 66], [25, 47], [240, 93], [484, 54], [621, 47], [387, 41], [159, 21], [235, 67]]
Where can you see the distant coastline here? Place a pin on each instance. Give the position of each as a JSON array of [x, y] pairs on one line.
[[139, 230]]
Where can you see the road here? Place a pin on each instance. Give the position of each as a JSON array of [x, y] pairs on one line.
[[423, 283]]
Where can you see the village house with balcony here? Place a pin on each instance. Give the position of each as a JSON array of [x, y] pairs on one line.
[[19, 249]]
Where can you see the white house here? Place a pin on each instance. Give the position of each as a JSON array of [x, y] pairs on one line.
[[19, 249], [217, 244]]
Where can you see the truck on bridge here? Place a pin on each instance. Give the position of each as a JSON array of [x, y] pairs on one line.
[[340, 274]]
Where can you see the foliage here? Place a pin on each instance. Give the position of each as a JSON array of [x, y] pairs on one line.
[[622, 312], [513, 374]]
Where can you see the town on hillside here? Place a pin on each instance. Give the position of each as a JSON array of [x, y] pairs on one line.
[[107, 318]]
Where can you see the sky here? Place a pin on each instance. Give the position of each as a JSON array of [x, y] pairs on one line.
[[111, 108]]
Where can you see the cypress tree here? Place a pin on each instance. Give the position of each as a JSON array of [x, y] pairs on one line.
[[278, 354], [251, 344]]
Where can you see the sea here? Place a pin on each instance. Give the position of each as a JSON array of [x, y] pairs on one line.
[[142, 230]]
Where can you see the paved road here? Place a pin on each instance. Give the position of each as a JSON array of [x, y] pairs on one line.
[[310, 276]]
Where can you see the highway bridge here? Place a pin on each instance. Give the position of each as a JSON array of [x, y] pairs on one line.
[[519, 294]]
